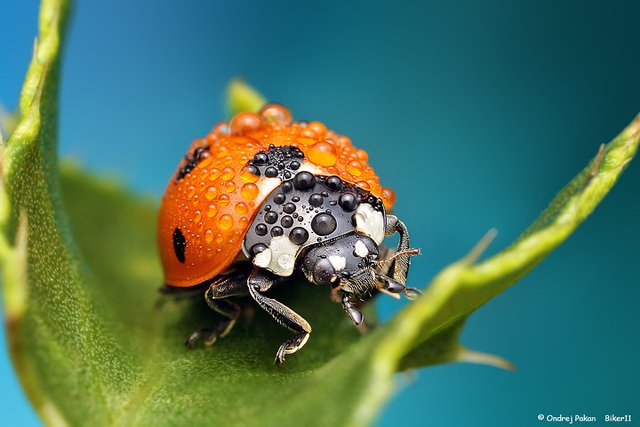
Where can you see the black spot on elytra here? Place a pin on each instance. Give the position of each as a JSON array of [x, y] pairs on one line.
[[179, 244], [192, 161]]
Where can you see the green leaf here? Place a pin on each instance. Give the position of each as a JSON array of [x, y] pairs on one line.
[[7, 123], [242, 97], [93, 342]]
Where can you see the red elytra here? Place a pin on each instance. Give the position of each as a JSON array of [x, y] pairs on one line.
[[213, 196]]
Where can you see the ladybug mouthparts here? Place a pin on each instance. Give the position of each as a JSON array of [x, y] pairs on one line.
[[261, 197]]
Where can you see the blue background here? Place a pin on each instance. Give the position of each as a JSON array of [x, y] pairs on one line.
[[475, 113]]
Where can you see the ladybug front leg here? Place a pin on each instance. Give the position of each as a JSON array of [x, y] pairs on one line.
[[354, 313], [400, 267], [259, 282], [216, 297]]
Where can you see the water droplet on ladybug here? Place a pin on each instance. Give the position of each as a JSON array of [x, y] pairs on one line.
[[260, 158], [276, 113], [348, 201], [225, 222], [228, 173], [277, 231], [230, 187], [244, 123], [323, 224], [286, 221], [271, 172], [222, 127], [304, 180], [249, 174], [334, 183], [323, 153], [261, 229], [241, 208], [287, 186], [298, 235], [318, 128], [364, 185], [257, 248], [289, 208], [354, 168], [215, 174], [279, 198], [389, 197], [271, 217], [249, 191], [316, 199]]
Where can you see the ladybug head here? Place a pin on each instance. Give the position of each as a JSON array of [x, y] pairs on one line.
[[341, 261], [352, 264]]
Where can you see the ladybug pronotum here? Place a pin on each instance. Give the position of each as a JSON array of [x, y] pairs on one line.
[[263, 197]]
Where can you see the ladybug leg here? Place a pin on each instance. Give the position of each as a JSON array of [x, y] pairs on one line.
[[352, 305], [402, 259], [392, 287], [354, 313], [259, 282], [216, 297]]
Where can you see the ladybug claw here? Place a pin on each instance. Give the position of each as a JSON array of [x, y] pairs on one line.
[[412, 293], [210, 340], [191, 339], [210, 337], [290, 347], [280, 356]]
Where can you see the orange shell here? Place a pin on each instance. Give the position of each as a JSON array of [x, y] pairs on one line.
[[213, 204]]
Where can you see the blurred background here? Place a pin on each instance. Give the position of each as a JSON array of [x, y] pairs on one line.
[[476, 114]]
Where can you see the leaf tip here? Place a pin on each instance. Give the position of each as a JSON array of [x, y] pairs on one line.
[[242, 97], [36, 99], [471, 356]]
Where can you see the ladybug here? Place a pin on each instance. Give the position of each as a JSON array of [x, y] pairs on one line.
[[263, 197]]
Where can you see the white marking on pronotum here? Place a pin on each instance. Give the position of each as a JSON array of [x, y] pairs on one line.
[[283, 256], [263, 258], [285, 261], [360, 249], [338, 262], [370, 222]]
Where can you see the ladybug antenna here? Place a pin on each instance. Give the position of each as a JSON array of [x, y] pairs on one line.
[[410, 252]]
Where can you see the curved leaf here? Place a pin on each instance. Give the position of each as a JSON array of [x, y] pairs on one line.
[[93, 343]]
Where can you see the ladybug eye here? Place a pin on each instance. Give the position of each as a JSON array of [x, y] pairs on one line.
[[323, 272]]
